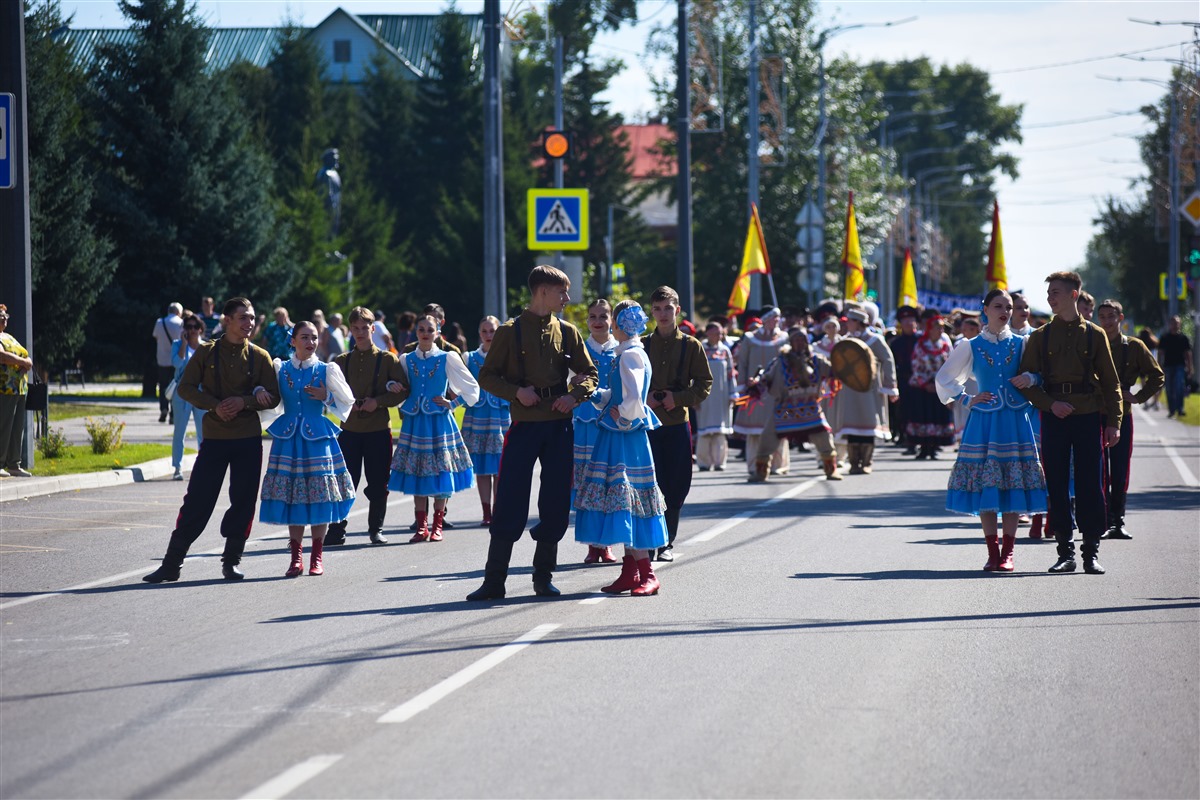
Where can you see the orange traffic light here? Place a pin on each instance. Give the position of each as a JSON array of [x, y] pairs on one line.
[[556, 144]]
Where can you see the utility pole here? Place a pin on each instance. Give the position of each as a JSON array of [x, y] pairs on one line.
[[755, 301], [495, 288], [683, 127], [1173, 246], [558, 123], [16, 275]]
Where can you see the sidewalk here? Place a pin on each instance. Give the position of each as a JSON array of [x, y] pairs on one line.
[[141, 426]]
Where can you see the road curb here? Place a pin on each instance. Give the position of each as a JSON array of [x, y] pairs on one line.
[[25, 488]]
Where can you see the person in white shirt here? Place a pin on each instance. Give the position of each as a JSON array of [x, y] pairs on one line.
[[166, 331]]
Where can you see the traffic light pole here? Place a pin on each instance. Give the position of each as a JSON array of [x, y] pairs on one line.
[[558, 124], [495, 288], [755, 299], [1173, 246], [683, 265]]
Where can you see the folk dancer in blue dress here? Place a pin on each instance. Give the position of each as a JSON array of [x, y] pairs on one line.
[[1020, 324], [998, 471], [307, 482], [182, 411], [602, 348], [431, 459], [485, 423], [617, 501]]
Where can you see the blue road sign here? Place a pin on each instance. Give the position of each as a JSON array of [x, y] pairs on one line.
[[558, 219], [6, 148]]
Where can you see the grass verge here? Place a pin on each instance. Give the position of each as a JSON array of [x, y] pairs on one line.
[[61, 411], [80, 458]]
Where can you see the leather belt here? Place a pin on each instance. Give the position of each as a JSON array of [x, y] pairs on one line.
[[1069, 388], [548, 392]]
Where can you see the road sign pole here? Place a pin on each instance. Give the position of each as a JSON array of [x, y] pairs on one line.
[[558, 123]]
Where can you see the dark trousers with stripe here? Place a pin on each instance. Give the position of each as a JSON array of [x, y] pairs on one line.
[[1079, 436], [1116, 471], [242, 459], [671, 448], [369, 452], [552, 444]]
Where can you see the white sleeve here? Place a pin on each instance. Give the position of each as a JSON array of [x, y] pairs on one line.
[[633, 374], [462, 381], [340, 400], [953, 375]]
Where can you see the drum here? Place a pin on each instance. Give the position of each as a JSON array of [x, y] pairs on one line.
[[853, 364]]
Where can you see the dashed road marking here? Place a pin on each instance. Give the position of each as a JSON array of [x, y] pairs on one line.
[[292, 778]]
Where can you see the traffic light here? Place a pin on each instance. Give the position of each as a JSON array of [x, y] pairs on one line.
[[557, 144], [1193, 253]]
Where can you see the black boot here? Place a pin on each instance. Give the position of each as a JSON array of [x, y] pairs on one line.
[[671, 515], [545, 561], [376, 512], [336, 533], [234, 546], [172, 562], [495, 572]]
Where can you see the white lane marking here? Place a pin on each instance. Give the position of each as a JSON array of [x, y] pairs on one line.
[[440, 691], [738, 519], [291, 779], [792, 492], [1145, 415], [275, 534], [1189, 479], [591, 601]]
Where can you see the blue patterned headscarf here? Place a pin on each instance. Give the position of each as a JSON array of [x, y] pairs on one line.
[[632, 320]]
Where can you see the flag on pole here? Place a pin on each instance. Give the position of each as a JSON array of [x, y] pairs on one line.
[[908, 283], [754, 259], [856, 281], [997, 270]]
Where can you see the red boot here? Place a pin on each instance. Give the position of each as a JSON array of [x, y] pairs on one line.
[[993, 546], [1006, 554], [606, 555], [593, 555], [422, 534], [1035, 527], [627, 580], [315, 567], [487, 513], [649, 584], [297, 566], [435, 533]]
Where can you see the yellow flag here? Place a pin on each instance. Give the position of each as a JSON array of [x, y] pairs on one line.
[[908, 283], [856, 281], [997, 270], [754, 259]]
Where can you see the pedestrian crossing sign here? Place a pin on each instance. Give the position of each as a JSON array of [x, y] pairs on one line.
[[557, 219]]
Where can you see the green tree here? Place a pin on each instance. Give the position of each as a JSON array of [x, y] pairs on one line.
[[184, 192], [295, 125], [71, 262]]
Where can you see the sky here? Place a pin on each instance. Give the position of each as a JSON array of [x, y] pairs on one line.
[[1079, 133]]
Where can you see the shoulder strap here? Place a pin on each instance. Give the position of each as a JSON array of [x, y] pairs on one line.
[[520, 353], [375, 377]]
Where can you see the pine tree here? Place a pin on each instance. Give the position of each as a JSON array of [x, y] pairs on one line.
[[72, 263], [184, 193]]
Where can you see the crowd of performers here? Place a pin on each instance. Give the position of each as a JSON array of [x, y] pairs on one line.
[[618, 421]]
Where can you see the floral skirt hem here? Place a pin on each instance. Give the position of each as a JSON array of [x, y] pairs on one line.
[[620, 528], [277, 512], [441, 485]]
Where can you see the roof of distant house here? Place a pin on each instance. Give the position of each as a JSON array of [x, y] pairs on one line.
[[646, 150]]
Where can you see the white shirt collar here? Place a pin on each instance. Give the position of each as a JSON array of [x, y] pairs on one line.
[[433, 351], [993, 338], [306, 363], [611, 344], [629, 344]]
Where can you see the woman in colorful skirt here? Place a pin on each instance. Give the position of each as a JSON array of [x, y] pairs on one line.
[[307, 482], [714, 422], [431, 459], [602, 348], [930, 423], [617, 501], [998, 472], [484, 424]]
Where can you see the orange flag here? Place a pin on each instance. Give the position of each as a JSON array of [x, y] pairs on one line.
[[856, 281], [997, 270], [908, 283], [754, 259]]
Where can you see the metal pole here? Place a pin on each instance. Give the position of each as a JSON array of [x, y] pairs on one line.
[[1173, 246], [752, 123], [683, 265], [16, 274], [606, 287], [494, 279], [818, 262], [558, 122]]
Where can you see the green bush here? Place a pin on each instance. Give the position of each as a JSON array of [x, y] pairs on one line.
[[53, 444], [105, 432]]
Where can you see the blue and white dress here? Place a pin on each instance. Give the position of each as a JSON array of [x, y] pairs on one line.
[[431, 459], [307, 482], [998, 468], [586, 414], [484, 424], [617, 501]]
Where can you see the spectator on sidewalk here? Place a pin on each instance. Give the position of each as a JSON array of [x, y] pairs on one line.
[[182, 411], [166, 331], [278, 335], [209, 316], [1175, 356], [335, 337], [15, 364]]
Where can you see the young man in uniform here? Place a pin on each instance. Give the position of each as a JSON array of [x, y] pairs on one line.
[[527, 365], [366, 437], [680, 379], [1080, 400], [1134, 364], [232, 380]]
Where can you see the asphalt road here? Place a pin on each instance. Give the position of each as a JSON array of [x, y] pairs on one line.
[[813, 639]]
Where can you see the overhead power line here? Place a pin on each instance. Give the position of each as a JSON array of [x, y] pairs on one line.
[[1085, 60], [1082, 120]]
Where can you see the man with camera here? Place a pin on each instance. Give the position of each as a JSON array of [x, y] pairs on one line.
[[680, 380]]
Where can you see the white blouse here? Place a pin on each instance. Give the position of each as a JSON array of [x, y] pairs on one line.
[[960, 366], [339, 398], [461, 381], [634, 375]]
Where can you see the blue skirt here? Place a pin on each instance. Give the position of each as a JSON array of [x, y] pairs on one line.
[[483, 432], [306, 483], [431, 459], [617, 500], [998, 469]]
